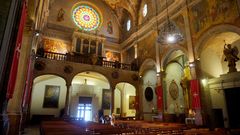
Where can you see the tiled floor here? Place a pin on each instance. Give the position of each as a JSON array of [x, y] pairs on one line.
[[32, 130]]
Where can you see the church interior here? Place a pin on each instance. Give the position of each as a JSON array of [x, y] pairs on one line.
[[146, 67]]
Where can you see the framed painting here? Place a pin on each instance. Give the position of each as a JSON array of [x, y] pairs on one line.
[[51, 96], [132, 102], [106, 99]]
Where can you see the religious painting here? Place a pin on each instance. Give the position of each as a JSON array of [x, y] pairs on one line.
[[109, 27], [106, 99], [132, 101], [208, 13], [112, 56], [51, 96], [56, 46]]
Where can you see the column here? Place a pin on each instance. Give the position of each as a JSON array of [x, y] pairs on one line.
[[112, 101], [81, 49], [135, 51], [103, 50], [97, 48], [89, 46], [66, 108], [74, 42]]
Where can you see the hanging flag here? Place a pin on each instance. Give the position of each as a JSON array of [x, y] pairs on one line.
[[16, 55], [195, 93], [159, 92]]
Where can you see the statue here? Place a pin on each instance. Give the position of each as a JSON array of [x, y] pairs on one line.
[[231, 57], [185, 84], [60, 16]]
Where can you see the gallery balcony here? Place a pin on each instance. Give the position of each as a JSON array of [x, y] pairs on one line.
[[87, 59]]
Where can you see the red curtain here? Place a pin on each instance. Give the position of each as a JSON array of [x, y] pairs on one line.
[[16, 55], [195, 93], [28, 84], [159, 92]]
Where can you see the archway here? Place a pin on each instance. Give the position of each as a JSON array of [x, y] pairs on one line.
[[48, 97], [176, 97], [125, 100], [90, 94], [212, 57]]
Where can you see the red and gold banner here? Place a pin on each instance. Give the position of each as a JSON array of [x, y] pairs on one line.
[[16, 55], [195, 93], [159, 92]]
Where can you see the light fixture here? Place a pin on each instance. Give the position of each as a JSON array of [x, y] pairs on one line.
[[170, 33]]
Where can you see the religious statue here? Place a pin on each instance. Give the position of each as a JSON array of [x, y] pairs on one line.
[[231, 57], [60, 16], [185, 84]]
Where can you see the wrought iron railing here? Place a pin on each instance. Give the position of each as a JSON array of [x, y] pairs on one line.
[[87, 59]]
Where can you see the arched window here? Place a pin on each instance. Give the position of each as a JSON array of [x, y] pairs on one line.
[[145, 10], [128, 24]]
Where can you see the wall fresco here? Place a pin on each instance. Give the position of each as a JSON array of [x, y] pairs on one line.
[[208, 13], [112, 56], [56, 46]]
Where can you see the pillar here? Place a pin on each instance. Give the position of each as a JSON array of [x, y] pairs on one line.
[[74, 43], [89, 45], [66, 108], [112, 101], [81, 49], [103, 50], [97, 43]]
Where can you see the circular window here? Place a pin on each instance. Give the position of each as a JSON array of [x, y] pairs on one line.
[[128, 24], [86, 18], [149, 94], [145, 10]]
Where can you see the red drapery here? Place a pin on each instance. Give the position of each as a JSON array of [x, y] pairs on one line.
[[28, 84], [195, 90], [14, 67], [159, 92]]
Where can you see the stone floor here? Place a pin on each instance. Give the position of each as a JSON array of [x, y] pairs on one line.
[[31, 130]]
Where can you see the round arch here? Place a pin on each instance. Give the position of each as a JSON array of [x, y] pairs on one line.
[[146, 65], [212, 32], [54, 74], [168, 54]]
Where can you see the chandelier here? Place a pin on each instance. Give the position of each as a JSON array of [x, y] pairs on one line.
[[170, 33]]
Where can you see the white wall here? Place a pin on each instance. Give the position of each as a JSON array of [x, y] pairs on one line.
[[174, 72], [39, 91], [149, 80]]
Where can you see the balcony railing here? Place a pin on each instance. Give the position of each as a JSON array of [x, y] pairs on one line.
[[87, 59]]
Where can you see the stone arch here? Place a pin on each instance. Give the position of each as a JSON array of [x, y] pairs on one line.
[[210, 33], [169, 52], [55, 74], [146, 65]]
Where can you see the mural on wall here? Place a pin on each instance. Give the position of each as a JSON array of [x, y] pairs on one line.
[[109, 27], [132, 102], [55, 46], [106, 99], [207, 13], [181, 25], [51, 96], [147, 48], [60, 16], [112, 56]]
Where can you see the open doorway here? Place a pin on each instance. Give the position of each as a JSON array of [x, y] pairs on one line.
[[232, 100]]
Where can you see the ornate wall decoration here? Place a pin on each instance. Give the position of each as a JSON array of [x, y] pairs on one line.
[[68, 69], [149, 94], [56, 46], [86, 18], [60, 16], [112, 56], [39, 65], [109, 27], [173, 90], [208, 13]]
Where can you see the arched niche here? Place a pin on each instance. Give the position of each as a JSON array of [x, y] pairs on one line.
[[48, 96], [125, 100], [95, 87], [212, 56]]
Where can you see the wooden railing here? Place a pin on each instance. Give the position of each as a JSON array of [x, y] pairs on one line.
[[87, 59]]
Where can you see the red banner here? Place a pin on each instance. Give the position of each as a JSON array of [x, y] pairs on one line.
[[28, 84], [195, 93], [159, 92], [16, 55]]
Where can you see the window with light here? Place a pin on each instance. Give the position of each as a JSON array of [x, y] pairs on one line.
[[86, 17], [128, 24], [145, 10], [84, 112]]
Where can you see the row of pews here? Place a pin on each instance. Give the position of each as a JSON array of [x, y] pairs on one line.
[[61, 127]]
